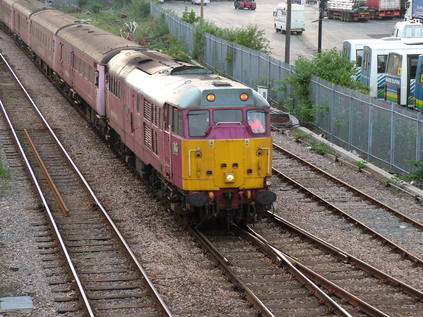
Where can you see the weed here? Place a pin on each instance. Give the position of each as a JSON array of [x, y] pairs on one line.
[[300, 135], [361, 164], [4, 172], [321, 148], [415, 177]]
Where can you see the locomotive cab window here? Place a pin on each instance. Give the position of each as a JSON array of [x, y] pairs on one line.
[[177, 124], [198, 122], [227, 115], [257, 121]]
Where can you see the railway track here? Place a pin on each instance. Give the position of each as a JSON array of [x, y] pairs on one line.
[[90, 266], [275, 290], [390, 225], [362, 285]]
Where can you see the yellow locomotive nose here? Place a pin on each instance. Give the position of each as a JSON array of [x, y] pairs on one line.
[[226, 163]]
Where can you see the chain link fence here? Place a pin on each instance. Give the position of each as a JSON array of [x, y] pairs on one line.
[[383, 133]]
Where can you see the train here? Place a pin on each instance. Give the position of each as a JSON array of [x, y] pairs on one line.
[[201, 140]]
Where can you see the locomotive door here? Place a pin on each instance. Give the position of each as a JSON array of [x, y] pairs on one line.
[[167, 140]]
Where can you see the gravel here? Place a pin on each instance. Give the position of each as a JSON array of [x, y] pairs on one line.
[[188, 280]]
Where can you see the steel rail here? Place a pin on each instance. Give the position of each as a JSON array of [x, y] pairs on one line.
[[331, 206], [346, 256], [90, 190], [332, 288], [50, 215], [47, 175], [350, 187], [258, 304], [283, 259]]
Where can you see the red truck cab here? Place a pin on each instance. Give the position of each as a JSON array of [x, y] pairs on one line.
[[245, 4]]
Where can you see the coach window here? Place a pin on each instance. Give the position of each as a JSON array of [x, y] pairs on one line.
[[227, 115], [257, 121], [381, 63], [358, 57], [198, 122]]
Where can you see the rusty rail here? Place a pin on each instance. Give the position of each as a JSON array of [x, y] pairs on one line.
[[50, 181]]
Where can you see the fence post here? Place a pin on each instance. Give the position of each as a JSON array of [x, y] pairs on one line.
[[392, 136], [370, 129], [350, 130], [331, 110], [419, 140]]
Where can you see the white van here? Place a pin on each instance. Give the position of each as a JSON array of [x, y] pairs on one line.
[[408, 29], [205, 2], [297, 18]]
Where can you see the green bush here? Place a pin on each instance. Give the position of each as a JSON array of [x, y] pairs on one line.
[[189, 16], [139, 8], [330, 65], [95, 6], [415, 177], [250, 36]]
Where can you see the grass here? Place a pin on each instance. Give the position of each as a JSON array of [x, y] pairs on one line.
[[152, 32], [321, 148], [361, 164], [300, 135], [4, 172]]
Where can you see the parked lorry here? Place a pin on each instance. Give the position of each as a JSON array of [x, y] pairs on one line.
[[416, 9], [297, 18], [379, 9], [347, 10]]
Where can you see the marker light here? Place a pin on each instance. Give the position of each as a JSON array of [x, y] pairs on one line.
[[243, 96], [211, 97], [230, 178]]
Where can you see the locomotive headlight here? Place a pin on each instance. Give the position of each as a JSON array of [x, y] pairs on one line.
[[267, 181], [211, 97], [244, 96], [229, 178]]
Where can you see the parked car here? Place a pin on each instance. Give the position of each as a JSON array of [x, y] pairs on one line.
[[245, 4], [205, 2]]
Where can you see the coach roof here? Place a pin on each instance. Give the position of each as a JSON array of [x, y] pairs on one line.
[[29, 7], [96, 43], [53, 20]]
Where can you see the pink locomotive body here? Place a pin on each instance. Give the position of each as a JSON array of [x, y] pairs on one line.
[[203, 141]]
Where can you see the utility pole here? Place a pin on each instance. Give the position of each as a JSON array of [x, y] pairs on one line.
[[288, 31], [202, 11], [319, 41]]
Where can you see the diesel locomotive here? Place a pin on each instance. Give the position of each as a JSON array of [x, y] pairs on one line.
[[203, 141]]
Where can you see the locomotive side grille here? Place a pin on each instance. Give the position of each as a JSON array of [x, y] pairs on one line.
[[148, 109], [148, 136]]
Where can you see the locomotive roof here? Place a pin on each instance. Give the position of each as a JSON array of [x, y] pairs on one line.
[[53, 20], [96, 43], [178, 83]]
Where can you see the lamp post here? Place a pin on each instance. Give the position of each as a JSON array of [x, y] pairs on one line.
[[288, 31], [319, 41], [202, 10]]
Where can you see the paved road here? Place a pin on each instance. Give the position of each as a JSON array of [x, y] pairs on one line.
[[223, 14]]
